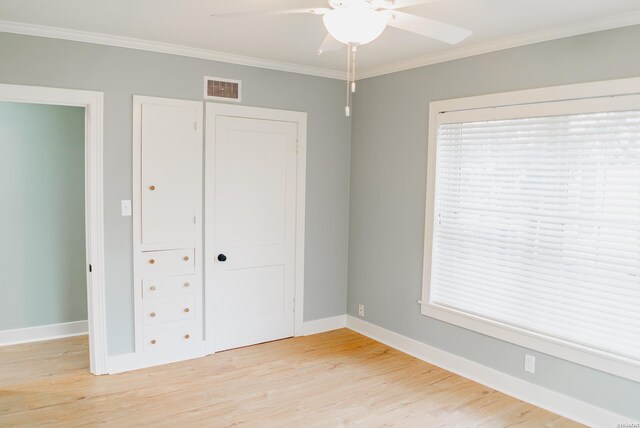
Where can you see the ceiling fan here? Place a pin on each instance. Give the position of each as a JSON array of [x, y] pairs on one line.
[[358, 22]]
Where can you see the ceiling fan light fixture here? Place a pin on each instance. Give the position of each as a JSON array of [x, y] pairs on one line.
[[355, 25], [358, 22]]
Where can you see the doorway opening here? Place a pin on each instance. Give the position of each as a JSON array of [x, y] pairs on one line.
[[51, 254]]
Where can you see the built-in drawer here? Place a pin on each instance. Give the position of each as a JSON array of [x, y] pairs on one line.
[[176, 336], [168, 262], [158, 287], [158, 310]]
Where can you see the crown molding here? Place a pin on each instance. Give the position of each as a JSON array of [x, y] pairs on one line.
[[609, 23], [617, 21], [161, 47]]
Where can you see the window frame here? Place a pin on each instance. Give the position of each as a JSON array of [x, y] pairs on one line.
[[579, 96]]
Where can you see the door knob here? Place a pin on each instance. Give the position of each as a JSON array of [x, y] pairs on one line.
[[222, 257]]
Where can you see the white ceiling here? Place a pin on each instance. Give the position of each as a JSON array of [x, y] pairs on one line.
[[293, 39]]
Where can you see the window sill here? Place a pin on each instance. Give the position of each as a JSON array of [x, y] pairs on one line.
[[576, 353]]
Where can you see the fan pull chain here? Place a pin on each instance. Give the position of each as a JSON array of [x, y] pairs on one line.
[[351, 76], [353, 69], [347, 109]]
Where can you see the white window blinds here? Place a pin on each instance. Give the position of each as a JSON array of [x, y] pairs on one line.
[[537, 222]]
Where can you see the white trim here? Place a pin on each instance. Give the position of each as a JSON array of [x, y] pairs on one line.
[[301, 198], [213, 109], [608, 103], [324, 324], [136, 226], [94, 212], [610, 95], [553, 401], [620, 366], [609, 23], [577, 91], [160, 47], [136, 361], [133, 361], [43, 332]]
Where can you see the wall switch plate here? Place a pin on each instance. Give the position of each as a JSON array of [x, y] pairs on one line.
[[361, 310], [529, 363], [125, 208]]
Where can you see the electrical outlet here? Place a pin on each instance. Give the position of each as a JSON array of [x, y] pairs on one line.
[[361, 310], [529, 363]]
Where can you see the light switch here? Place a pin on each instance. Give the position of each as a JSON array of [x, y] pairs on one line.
[[125, 206]]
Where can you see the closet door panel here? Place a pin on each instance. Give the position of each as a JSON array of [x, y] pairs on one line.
[[169, 174]]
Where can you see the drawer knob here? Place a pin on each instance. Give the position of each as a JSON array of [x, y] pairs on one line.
[[152, 314], [151, 261], [186, 284], [152, 187], [186, 336], [186, 309], [153, 341], [152, 288], [186, 258]]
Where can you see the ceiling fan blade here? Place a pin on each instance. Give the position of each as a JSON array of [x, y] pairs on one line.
[[428, 27], [310, 10], [329, 44], [397, 4]]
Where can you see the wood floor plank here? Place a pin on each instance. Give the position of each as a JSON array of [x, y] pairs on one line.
[[334, 379]]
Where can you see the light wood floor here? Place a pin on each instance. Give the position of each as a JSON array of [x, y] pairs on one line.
[[332, 379]]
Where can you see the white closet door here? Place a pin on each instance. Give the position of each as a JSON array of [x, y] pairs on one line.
[[253, 248], [169, 173]]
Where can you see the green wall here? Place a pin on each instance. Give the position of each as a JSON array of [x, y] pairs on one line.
[[42, 244]]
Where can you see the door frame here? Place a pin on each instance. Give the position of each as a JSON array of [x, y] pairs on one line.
[[92, 102], [300, 118]]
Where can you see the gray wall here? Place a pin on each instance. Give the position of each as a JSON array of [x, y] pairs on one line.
[[121, 73], [42, 244], [388, 173], [388, 170]]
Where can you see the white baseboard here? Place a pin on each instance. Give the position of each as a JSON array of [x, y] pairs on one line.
[[43, 332], [324, 324], [135, 361], [143, 360], [553, 401]]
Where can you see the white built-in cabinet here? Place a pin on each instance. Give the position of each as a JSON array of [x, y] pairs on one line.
[[167, 228], [255, 160]]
